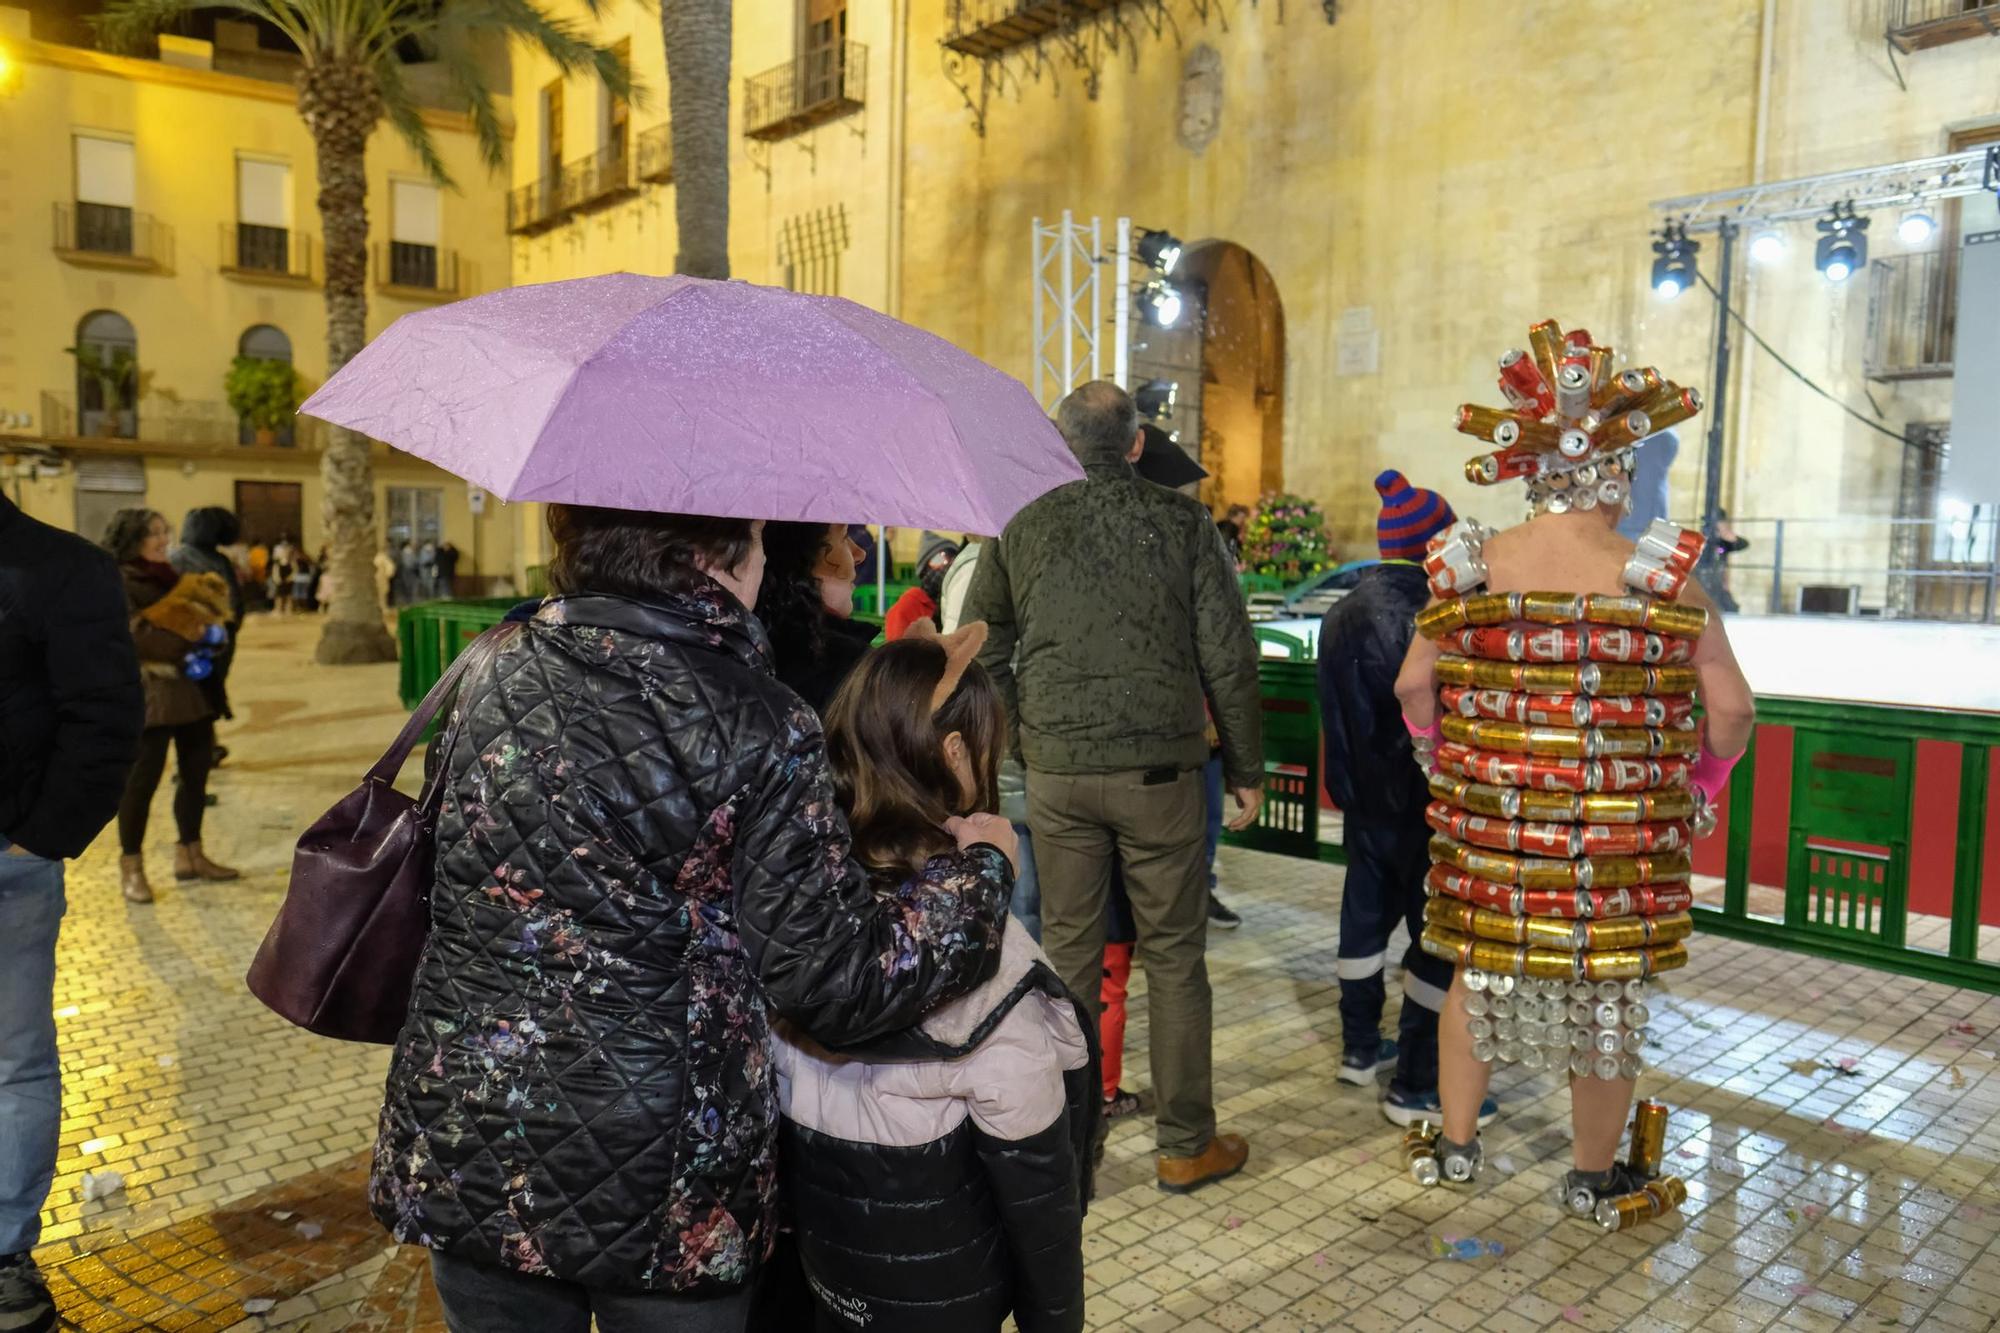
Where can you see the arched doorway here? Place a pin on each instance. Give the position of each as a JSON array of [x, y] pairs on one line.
[[264, 342], [1227, 356], [107, 375]]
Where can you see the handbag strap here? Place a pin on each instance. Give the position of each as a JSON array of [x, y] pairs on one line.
[[391, 763]]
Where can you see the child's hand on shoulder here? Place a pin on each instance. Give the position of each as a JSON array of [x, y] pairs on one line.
[[970, 830]]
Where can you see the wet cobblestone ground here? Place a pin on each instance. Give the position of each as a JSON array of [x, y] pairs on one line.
[[1839, 1128]]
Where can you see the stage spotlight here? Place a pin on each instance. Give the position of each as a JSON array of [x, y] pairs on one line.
[[1768, 246], [1673, 263], [1916, 228], [1159, 250], [1161, 303], [1156, 398], [1843, 244]]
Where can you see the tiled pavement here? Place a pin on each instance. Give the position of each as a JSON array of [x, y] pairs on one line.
[[1839, 1128]]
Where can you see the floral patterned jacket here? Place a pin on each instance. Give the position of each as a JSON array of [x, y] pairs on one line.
[[640, 864]]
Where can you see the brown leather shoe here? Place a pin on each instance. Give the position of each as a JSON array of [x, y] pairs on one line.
[[132, 879], [189, 863], [1222, 1158]]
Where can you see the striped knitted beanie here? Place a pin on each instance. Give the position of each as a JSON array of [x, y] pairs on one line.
[[1410, 517]]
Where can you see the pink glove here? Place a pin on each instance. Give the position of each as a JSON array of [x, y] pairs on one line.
[[1424, 738], [1710, 774]]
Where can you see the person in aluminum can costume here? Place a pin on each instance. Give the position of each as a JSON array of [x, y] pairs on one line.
[[1551, 691]]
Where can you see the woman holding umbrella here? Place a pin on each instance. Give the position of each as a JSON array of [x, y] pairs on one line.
[[640, 858]]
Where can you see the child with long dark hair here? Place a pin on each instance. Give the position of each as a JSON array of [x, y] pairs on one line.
[[937, 1180]]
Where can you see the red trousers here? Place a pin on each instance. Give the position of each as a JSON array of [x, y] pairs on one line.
[[1111, 1021]]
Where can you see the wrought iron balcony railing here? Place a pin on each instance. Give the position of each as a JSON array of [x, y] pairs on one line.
[[534, 207], [1910, 317], [110, 236], [1917, 25], [256, 253], [826, 80], [983, 28], [603, 178], [656, 154], [405, 268]]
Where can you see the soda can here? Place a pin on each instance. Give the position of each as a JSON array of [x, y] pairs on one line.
[[1545, 345], [1630, 1067], [1492, 608], [1534, 1058], [1687, 622], [1504, 983], [1441, 618], [1604, 1067], [1670, 927], [1552, 608], [1666, 958], [1549, 934], [1580, 337], [1477, 1005], [1420, 1153], [1622, 430], [1634, 991], [1627, 612], [1485, 1051], [1618, 932], [1663, 899], [1546, 805], [1502, 959], [1475, 980], [1574, 444], [1523, 384], [1547, 874], [1546, 839], [1637, 1014], [1626, 775], [1600, 372], [1580, 1064], [1656, 1199], [1615, 964], [1506, 1029], [1635, 1042], [1485, 423], [1510, 1050], [1670, 405], [1539, 438], [1562, 742], [1573, 390]]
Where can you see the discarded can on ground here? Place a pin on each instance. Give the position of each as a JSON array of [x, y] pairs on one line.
[[1420, 1153], [1657, 1199]]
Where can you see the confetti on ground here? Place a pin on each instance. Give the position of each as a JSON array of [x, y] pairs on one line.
[[1972, 1212], [1233, 1223], [1957, 1077], [1572, 1314], [283, 1216], [311, 1230], [259, 1305], [1319, 1260], [166, 1062], [1686, 1152], [1847, 1068], [1468, 1247], [1801, 1288], [99, 1184]]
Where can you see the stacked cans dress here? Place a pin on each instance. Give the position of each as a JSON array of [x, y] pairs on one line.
[[1561, 811]]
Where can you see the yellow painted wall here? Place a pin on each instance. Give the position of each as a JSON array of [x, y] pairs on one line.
[[187, 128]]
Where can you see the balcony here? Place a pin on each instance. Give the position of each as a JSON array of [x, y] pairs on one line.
[[985, 28], [534, 207], [825, 82], [179, 427], [416, 272], [276, 256], [1918, 25], [656, 155], [598, 181], [1910, 317], [108, 236]]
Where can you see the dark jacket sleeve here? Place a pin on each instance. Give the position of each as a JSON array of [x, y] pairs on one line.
[[1035, 1184], [1370, 772], [99, 710], [991, 599], [1226, 652], [841, 961]]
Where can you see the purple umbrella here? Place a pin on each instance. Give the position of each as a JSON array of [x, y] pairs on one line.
[[683, 395]]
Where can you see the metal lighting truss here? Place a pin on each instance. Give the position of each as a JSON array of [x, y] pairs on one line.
[[1069, 304], [1899, 184]]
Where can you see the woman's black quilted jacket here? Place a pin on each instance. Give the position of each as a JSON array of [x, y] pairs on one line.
[[640, 862]]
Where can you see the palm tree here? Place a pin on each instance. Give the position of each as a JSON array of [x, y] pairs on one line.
[[350, 79], [696, 33]]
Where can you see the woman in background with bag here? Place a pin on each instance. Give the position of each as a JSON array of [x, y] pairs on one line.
[[178, 625], [640, 863]]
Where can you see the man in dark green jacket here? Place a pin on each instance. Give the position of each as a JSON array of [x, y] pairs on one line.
[[1124, 609]]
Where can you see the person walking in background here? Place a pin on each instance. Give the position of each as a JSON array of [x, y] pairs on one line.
[[304, 575], [584, 1122], [1652, 493], [1382, 796], [1121, 602], [409, 574], [70, 714], [934, 561], [807, 606], [385, 576], [940, 1184], [447, 570], [284, 558], [203, 533], [257, 561], [427, 571], [176, 625], [1231, 526]]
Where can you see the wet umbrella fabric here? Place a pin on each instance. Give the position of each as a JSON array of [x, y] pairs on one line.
[[684, 395]]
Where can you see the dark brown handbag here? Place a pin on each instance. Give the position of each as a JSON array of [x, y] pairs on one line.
[[342, 953]]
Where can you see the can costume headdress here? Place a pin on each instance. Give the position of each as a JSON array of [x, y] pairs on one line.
[[1563, 812]]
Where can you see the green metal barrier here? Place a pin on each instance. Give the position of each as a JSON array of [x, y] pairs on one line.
[[864, 599], [1294, 646], [1848, 838], [1288, 824], [431, 634]]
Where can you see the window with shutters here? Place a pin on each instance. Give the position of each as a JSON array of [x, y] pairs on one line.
[[107, 375], [104, 193], [263, 239], [617, 109], [413, 231]]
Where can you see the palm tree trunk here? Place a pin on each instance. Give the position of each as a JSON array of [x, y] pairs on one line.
[[696, 33], [341, 106]]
